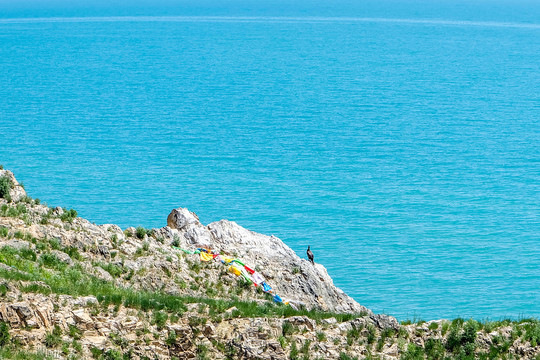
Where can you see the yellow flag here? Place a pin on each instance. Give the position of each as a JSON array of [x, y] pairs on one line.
[[206, 256]]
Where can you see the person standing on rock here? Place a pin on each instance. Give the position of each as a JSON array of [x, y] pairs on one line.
[[310, 255]]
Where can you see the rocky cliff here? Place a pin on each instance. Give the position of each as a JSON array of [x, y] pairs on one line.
[[73, 289]]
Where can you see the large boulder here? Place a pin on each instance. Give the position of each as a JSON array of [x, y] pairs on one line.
[[188, 225], [182, 218]]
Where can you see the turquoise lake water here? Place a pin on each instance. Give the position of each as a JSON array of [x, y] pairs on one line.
[[404, 150]]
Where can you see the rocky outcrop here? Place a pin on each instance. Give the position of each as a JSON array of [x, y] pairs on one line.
[[147, 300], [292, 277]]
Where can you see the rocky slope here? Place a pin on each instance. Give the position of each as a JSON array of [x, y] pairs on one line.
[[73, 289]]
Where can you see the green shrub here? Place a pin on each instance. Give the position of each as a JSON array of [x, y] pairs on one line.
[[112, 354], [36, 288], [4, 231], [352, 335], [28, 254], [73, 252], [434, 349], [140, 232], [51, 261], [288, 329], [462, 340], [4, 334], [145, 246], [112, 269], [532, 333], [344, 356], [159, 318], [76, 346], [55, 244], [114, 240], [27, 199], [74, 332], [371, 334], [68, 215], [414, 352], [444, 328], [96, 353], [195, 266], [5, 187], [54, 338], [305, 348], [386, 333], [202, 352], [14, 211], [321, 336], [294, 351], [171, 338]]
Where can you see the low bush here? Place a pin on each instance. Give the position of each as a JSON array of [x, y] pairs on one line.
[[414, 352], [28, 254], [5, 187], [171, 338], [53, 338], [52, 261], [462, 337], [532, 333], [112, 269], [159, 318], [13, 211], [4, 334], [140, 232], [68, 215], [73, 252], [287, 328], [345, 356], [112, 354]]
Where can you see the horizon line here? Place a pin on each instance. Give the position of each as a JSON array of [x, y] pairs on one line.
[[254, 19]]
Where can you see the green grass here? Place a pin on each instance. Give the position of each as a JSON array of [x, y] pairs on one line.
[[16, 354], [72, 280], [13, 211], [112, 269], [60, 278], [345, 356], [414, 352], [4, 334], [4, 231]]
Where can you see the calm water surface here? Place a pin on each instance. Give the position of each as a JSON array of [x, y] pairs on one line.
[[406, 153]]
